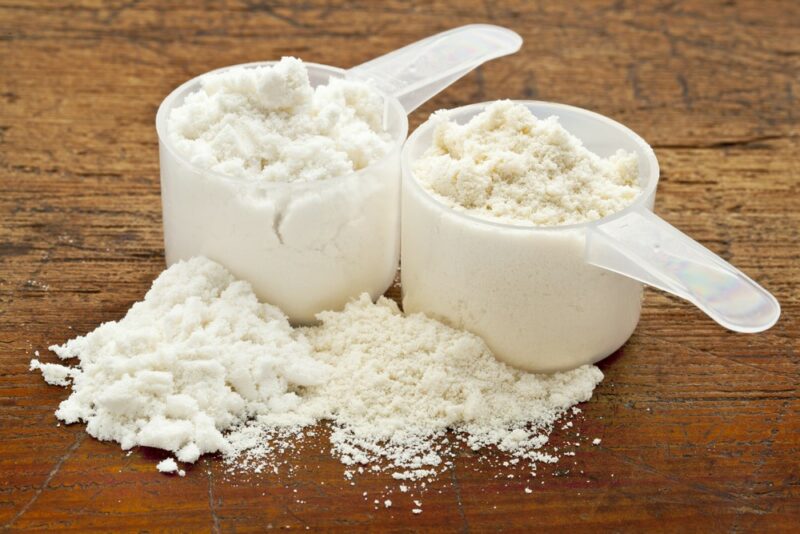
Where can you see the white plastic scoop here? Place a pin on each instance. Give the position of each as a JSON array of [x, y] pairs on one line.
[[416, 73], [637, 244], [643, 246], [554, 298], [312, 246]]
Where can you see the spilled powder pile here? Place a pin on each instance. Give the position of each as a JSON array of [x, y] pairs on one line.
[[268, 123], [508, 166], [198, 356], [399, 381], [200, 366]]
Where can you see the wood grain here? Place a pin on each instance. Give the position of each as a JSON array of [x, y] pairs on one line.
[[700, 426]]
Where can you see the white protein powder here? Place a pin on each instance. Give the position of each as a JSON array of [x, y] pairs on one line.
[[169, 465], [506, 165], [200, 366], [524, 286], [196, 357], [268, 123], [308, 208], [400, 382]]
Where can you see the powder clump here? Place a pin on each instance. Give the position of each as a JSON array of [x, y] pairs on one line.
[[168, 465], [199, 355], [267, 123], [509, 166]]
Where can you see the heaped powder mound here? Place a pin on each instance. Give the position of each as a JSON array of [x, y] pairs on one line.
[[509, 166], [268, 123], [198, 356]]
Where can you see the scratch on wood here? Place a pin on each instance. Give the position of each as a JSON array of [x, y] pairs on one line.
[[685, 95], [288, 510], [741, 500], [633, 79], [752, 142], [457, 488], [64, 457], [685, 347], [212, 505]]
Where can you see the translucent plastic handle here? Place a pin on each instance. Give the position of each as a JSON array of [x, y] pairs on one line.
[[417, 72], [645, 247]]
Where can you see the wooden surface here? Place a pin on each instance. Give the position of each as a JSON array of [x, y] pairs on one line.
[[699, 426]]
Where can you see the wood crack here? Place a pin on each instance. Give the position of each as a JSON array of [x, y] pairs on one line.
[[64, 457], [212, 505], [746, 142], [702, 488], [457, 489], [726, 358]]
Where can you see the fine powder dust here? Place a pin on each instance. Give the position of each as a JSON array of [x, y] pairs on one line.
[[508, 166], [400, 380], [200, 366], [267, 123]]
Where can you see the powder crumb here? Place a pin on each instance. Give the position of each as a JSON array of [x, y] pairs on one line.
[[416, 510], [509, 166], [167, 465], [387, 503], [596, 441], [53, 373], [528, 490]]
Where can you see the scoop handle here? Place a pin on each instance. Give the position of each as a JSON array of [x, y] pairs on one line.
[[417, 72], [645, 247]]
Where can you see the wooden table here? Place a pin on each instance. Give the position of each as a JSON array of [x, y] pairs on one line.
[[699, 426]]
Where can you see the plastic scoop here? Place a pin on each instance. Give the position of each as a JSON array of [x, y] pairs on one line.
[[553, 298], [639, 244], [643, 246], [417, 72], [270, 233]]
